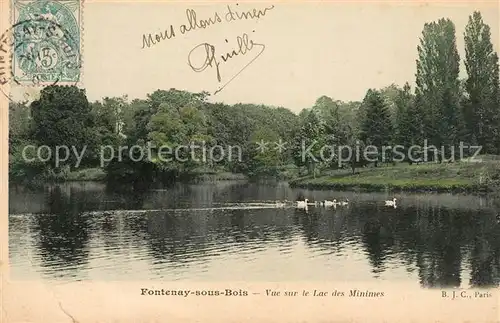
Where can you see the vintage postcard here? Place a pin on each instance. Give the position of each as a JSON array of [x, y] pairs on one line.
[[223, 161]]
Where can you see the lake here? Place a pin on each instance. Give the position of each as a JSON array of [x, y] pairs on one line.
[[232, 231]]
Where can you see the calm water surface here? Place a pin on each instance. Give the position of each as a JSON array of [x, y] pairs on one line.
[[232, 231]]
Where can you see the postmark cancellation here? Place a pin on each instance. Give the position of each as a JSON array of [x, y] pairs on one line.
[[45, 42]]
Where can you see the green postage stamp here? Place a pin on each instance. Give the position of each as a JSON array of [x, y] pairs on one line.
[[46, 42]]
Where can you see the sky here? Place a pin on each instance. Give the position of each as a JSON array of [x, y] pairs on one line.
[[339, 49]]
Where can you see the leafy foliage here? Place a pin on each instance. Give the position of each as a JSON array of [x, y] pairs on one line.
[[438, 86], [482, 105], [323, 137]]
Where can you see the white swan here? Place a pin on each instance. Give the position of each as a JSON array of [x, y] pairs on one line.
[[302, 204], [391, 203], [330, 203], [344, 203], [279, 204]]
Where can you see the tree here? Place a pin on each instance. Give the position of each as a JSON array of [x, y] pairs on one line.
[[438, 88], [136, 120], [482, 105], [352, 150], [309, 141], [113, 113], [266, 159], [19, 137], [327, 112], [176, 98], [62, 117], [376, 127], [19, 123], [230, 126], [349, 113], [408, 121], [390, 94], [109, 121], [179, 129]]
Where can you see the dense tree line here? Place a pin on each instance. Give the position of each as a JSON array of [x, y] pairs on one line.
[[442, 109]]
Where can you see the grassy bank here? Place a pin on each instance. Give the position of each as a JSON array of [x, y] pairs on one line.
[[89, 174], [453, 177]]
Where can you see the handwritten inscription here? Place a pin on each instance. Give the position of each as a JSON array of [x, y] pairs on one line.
[[194, 23], [245, 45], [210, 57]]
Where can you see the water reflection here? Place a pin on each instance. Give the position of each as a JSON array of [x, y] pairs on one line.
[[434, 240]]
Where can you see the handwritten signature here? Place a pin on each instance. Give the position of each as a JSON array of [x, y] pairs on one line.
[[245, 45]]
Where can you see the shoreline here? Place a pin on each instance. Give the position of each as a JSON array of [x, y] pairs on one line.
[[97, 175], [372, 187], [440, 178], [354, 187], [425, 178]]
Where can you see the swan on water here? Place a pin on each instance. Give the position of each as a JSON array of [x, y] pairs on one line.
[[302, 204], [391, 203], [330, 203], [344, 203], [279, 204]]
